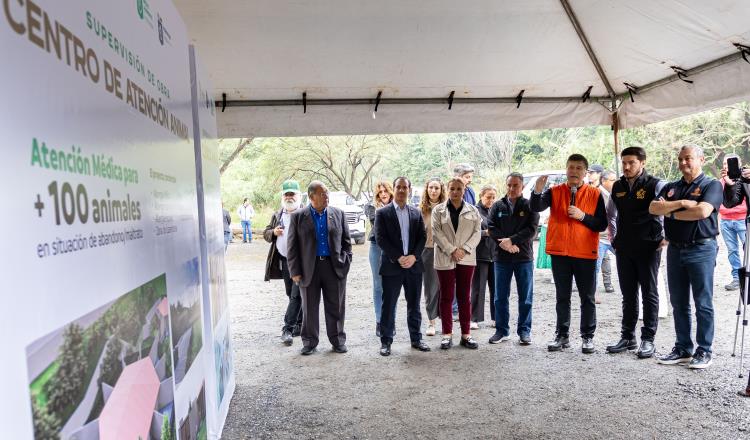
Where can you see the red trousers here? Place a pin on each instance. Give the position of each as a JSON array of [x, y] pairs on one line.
[[455, 282]]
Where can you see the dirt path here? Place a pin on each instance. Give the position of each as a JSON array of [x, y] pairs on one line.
[[498, 391]]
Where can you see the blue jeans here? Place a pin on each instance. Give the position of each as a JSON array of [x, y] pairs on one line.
[[524, 273], [603, 249], [692, 268], [377, 280], [227, 239], [733, 232], [246, 232]]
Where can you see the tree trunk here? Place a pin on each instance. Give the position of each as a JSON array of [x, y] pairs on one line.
[[244, 142]]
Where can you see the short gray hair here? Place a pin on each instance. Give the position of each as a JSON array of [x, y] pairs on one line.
[[313, 186], [696, 149], [608, 174], [514, 174], [462, 168]]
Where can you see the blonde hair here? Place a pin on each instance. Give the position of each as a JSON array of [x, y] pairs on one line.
[[424, 204], [376, 191]]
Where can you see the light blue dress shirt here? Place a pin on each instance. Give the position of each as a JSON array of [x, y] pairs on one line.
[[403, 222]]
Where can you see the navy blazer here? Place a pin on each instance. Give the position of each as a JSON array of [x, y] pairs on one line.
[[388, 238]]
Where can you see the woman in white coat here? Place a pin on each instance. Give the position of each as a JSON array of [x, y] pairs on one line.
[[456, 231]]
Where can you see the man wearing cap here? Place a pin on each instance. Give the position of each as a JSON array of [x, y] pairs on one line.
[[595, 176], [690, 207], [319, 253], [277, 266]]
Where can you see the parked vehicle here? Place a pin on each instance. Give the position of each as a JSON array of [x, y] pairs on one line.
[[355, 215], [529, 180]]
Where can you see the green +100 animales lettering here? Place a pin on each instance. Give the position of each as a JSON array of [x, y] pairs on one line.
[[70, 205]]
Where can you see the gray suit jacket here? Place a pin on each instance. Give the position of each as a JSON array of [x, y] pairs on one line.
[[302, 244]]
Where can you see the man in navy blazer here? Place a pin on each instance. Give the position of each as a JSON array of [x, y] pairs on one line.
[[400, 233]]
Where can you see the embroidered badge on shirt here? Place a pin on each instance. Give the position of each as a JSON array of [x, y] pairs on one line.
[[696, 192], [640, 194], [670, 193], [620, 194]]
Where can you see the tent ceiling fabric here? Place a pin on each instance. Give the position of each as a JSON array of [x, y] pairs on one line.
[[338, 49]]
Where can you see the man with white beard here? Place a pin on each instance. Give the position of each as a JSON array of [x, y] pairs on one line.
[[276, 263]]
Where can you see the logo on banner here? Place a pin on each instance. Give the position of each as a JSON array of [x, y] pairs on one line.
[[144, 12], [164, 37]]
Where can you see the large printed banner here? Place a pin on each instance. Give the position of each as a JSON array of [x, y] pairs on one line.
[[103, 280], [220, 374]]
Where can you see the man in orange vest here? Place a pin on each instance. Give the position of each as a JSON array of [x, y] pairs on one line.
[[577, 216]]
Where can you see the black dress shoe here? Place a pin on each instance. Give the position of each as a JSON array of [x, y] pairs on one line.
[[286, 337], [646, 350], [469, 343], [306, 350], [420, 345], [340, 348], [446, 343], [385, 350], [559, 343], [622, 345]]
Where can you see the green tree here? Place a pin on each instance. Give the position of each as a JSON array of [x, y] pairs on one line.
[[46, 425], [111, 364], [166, 429], [66, 386]]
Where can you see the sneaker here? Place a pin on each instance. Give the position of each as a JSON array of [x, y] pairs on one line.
[[498, 338], [677, 356], [587, 345], [469, 342], [474, 325], [734, 285], [559, 343], [286, 337], [525, 339], [430, 330], [701, 359]]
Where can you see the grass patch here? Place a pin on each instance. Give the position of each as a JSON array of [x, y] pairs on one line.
[[37, 386]]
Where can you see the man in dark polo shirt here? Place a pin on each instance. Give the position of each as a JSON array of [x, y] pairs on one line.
[[690, 208], [637, 238]]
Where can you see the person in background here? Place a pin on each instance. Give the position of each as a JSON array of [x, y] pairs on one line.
[[227, 218], [401, 234], [246, 213], [512, 225], [576, 210], [456, 231], [638, 241], [277, 266], [319, 253], [382, 196], [606, 180], [733, 228], [484, 273], [434, 194], [690, 208]]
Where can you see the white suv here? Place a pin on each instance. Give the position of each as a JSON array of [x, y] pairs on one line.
[[529, 180], [355, 215]]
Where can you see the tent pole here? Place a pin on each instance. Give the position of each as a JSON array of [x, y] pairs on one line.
[[616, 131]]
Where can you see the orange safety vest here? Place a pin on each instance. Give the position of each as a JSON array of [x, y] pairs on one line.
[[566, 236]]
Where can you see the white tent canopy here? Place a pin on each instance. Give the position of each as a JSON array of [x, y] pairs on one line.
[[264, 54]]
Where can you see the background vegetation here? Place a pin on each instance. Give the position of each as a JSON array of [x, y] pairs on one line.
[[255, 168]]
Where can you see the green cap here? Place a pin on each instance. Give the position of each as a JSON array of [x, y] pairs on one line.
[[290, 186]]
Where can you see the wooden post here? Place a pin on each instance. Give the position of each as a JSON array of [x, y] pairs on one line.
[[616, 130]]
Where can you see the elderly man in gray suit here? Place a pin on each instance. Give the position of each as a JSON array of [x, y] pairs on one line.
[[319, 253]]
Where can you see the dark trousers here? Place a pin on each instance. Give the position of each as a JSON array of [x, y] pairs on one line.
[[333, 290], [293, 315], [484, 277], [564, 269], [455, 283], [412, 284], [639, 269]]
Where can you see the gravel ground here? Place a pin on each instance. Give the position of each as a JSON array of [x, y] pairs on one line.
[[498, 391]]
